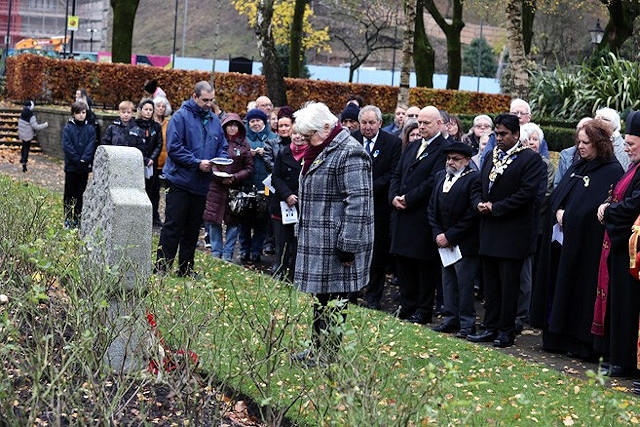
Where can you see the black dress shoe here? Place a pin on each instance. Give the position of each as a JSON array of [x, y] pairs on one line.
[[464, 333], [617, 371], [636, 384], [484, 336], [374, 305], [504, 340], [446, 327], [419, 318]]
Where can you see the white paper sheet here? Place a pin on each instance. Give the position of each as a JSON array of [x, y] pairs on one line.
[[556, 234], [450, 255]]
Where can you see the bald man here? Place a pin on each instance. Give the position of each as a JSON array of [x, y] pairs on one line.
[[418, 262]]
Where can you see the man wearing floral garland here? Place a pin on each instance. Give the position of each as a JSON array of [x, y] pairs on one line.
[[505, 197]]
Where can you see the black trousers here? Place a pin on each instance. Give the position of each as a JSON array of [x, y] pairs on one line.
[[74, 185], [286, 250], [24, 152], [154, 194], [418, 281], [183, 217], [501, 278]]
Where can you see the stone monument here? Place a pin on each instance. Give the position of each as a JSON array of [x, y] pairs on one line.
[[116, 228]]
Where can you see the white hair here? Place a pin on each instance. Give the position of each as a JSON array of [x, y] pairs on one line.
[[162, 100], [520, 101], [476, 119], [610, 115], [314, 117], [529, 129], [373, 108]]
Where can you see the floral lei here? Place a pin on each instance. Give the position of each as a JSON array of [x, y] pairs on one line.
[[499, 166]]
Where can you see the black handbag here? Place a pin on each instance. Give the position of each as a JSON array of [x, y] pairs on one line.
[[243, 203]]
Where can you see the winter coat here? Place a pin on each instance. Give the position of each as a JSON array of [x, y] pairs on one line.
[[285, 179], [152, 137], [78, 143], [272, 148], [193, 135], [260, 168], [216, 208], [125, 135], [26, 129], [336, 214]]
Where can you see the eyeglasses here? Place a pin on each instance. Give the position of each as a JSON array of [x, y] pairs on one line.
[[412, 116], [455, 159], [520, 113], [483, 126], [450, 124]]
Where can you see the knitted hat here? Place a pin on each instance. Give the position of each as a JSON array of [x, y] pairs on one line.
[[29, 104], [256, 113], [150, 86], [350, 112], [633, 123]]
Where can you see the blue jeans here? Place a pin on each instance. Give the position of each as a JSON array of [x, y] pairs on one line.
[[251, 243], [218, 249]]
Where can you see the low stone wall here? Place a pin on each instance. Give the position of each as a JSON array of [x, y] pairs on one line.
[[50, 139]]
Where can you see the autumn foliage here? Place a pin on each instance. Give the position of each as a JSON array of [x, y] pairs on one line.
[[55, 81]]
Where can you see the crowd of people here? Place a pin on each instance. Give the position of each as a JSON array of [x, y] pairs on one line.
[[343, 202]]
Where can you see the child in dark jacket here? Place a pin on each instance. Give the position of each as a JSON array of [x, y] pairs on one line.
[[124, 131], [78, 143], [152, 142]]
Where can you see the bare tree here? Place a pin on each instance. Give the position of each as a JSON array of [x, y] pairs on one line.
[[276, 88], [424, 54], [362, 27], [407, 51], [124, 16], [517, 57], [452, 32]]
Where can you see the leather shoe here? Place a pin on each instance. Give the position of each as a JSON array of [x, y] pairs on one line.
[[617, 371], [419, 318], [484, 336], [374, 305], [446, 327], [464, 333], [636, 384], [504, 340]]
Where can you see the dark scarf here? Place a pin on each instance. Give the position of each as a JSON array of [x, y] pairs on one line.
[[313, 151], [600, 309]]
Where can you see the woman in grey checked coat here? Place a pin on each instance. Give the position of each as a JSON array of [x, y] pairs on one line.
[[335, 230]]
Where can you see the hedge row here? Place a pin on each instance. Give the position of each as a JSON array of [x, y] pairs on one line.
[[49, 80]]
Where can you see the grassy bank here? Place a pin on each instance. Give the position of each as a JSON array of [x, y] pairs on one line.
[[244, 327]]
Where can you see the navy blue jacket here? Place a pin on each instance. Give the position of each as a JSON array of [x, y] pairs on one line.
[[78, 143]]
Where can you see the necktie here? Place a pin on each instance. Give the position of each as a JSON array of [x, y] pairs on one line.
[[501, 155], [367, 146], [423, 147]]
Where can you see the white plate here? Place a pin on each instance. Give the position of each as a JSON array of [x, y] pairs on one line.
[[221, 161], [221, 174]]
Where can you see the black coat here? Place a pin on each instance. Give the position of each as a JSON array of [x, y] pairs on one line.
[[285, 178], [564, 291], [415, 178], [509, 230], [384, 160], [452, 213], [623, 305]]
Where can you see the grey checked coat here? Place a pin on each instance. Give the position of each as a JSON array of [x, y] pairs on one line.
[[336, 213]]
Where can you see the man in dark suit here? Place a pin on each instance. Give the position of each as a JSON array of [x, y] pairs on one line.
[[417, 259], [384, 150], [505, 197], [454, 222]]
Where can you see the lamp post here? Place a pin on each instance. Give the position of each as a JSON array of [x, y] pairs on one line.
[[596, 34], [91, 31], [7, 39]]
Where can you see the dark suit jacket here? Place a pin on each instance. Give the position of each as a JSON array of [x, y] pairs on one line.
[[384, 160], [452, 213], [411, 234], [508, 231]]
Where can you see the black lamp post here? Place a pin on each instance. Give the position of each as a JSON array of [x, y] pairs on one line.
[[91, 31], [596, 34]]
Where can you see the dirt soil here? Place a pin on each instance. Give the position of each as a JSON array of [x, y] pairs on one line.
[[48, 172]]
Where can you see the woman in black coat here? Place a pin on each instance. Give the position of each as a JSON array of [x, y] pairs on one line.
[[565, 289], [286, 172]]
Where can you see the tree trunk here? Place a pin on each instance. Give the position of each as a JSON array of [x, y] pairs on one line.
[[276, 87], [528, 14], [622, 13], [295, 39], [407, 51], [124, 16], [424, 55], [452, 33], [517, 58]]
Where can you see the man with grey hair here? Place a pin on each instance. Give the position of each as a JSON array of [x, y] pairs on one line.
[[612, 118], [194, 137], [384, 150]]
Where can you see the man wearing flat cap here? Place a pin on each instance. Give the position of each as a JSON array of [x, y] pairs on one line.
[[618, 298], [454, 223]]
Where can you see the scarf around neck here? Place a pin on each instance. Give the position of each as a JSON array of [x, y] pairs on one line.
[[314, 151]]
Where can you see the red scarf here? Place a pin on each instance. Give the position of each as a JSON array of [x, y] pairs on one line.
[[314, 151], [600, 308], [298, 151]]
